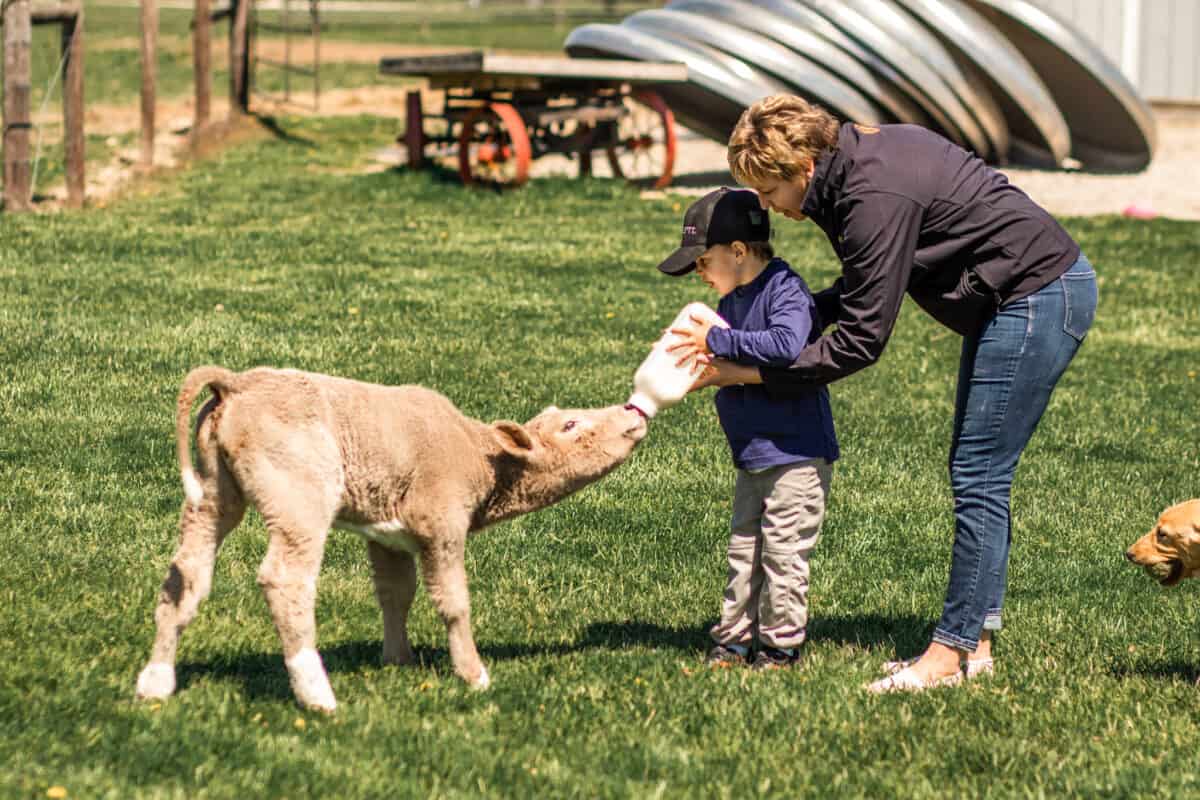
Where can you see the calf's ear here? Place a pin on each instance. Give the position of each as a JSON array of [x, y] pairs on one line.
[[513, 438]]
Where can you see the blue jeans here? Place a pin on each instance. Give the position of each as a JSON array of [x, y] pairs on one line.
[[1007, 373]]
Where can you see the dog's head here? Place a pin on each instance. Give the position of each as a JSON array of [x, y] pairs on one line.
[[1170, 552]]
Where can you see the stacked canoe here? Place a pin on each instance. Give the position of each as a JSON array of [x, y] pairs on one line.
[[1003, 78]]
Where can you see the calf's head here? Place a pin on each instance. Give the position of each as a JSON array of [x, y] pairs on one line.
[[1170, 552], [561, 451]]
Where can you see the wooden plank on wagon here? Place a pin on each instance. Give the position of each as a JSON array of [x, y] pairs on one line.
[[583, 69], [48, 15]]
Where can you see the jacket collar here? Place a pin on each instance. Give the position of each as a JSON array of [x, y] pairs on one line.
[[828, 175], [773, 266]]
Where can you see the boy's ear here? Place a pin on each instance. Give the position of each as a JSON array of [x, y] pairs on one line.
[[513, 438]]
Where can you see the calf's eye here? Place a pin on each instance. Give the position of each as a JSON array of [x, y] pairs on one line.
[[570, 424]]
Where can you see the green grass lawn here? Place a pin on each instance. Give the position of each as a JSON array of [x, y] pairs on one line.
[[590, 615]]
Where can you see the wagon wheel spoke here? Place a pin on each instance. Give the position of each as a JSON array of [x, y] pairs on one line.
[[644, 148], [493, 146]]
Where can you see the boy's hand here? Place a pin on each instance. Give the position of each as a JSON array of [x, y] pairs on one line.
[[693, 342]]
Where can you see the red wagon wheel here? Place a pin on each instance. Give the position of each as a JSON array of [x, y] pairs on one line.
[[645, 147], [493, 146]]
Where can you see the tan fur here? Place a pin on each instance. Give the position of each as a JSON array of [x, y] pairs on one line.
[[398, 464], [1170, 552]]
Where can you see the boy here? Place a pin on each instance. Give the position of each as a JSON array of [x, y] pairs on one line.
[[783, 448]]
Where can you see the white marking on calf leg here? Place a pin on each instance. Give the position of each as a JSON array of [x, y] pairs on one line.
[[309, 681], [156, 681]]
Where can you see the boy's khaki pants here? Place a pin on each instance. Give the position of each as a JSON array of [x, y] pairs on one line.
[[776, 522]]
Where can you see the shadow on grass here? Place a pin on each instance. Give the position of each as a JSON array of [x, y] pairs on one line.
[[1188, 672], [263, 676], [269, 123], [908, 634], [438, 173]]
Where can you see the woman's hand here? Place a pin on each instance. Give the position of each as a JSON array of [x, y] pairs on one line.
[[693, 342], [720, 372]]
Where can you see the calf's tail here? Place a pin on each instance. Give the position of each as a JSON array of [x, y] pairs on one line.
[[221, 381]]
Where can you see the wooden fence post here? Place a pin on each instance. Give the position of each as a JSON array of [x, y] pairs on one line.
[[73, 142], [18, 171], [149, 78], [202, 64], [239, 58]]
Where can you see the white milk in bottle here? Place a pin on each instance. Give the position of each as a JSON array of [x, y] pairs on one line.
[[658, 383]]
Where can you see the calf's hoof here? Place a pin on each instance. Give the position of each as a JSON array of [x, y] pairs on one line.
[[483, 681], [156, 682], [309, 682]]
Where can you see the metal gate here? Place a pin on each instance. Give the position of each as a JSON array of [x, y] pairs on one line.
[[290, 24]]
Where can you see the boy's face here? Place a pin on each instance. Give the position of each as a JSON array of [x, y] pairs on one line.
[[785, 197], [718, 268]]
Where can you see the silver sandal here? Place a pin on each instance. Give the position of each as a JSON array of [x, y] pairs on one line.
[[974, 667], [906, 680]]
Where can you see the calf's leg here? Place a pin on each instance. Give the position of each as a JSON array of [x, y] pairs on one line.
[[202, 529], [288, 577], [395, 577], [446, 581]]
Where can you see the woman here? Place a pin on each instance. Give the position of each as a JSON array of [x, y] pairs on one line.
[[907, 210]]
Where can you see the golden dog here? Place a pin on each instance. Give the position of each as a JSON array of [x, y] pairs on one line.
[[1170, 552]]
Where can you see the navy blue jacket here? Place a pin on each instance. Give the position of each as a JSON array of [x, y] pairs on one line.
[[772, 320]]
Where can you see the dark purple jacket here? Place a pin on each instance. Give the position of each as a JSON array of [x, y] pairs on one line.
[[907, 210]]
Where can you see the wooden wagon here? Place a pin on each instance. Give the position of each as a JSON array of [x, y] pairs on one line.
[[501, 112]]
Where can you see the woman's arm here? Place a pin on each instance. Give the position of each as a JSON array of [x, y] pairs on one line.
[[829, 304], [720, 372], [877, 246]]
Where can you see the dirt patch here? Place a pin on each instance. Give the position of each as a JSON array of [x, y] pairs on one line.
[[173, 141]]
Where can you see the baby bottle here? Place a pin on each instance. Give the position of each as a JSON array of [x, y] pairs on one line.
[[658, 383]]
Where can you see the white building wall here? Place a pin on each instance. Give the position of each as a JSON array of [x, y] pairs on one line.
[[1156, 43]]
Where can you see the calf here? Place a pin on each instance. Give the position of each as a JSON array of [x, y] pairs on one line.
[[398, 465]]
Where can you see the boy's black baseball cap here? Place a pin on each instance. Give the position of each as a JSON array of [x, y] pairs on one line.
[[720, 217]]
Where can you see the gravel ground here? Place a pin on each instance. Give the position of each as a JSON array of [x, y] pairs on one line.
[[1170, 187]]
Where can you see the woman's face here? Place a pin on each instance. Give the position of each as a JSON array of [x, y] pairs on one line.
[[785, 197]]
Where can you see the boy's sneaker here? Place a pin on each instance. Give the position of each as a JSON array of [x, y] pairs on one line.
[[775, 658], [726, 655]]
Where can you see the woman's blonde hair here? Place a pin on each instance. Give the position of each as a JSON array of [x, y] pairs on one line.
[[779, 137]]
